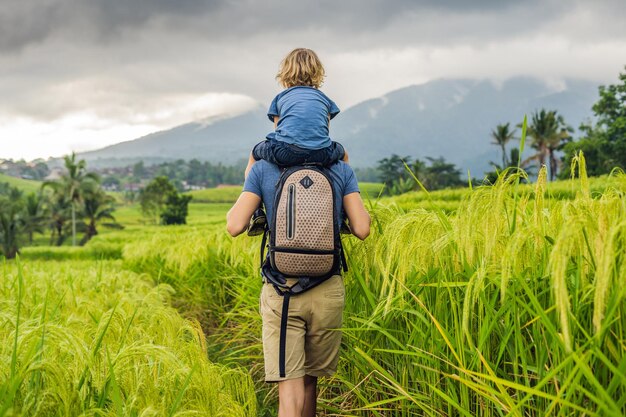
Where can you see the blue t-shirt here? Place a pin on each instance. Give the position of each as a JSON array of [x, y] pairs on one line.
[[303, 117], [263, 177]]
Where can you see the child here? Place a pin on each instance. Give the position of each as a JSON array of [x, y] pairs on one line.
[[301, 116]]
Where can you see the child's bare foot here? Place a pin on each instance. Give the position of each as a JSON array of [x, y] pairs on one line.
[[258, 223]]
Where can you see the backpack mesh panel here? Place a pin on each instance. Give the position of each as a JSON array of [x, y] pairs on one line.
[[312, 225]]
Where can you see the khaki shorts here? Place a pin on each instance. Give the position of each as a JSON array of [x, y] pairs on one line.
[[313, 330]]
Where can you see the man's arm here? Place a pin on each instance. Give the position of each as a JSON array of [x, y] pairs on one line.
[[359, 217], [238, 217]]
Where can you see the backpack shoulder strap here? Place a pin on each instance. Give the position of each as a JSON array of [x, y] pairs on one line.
[[342, 252], [263, 245]]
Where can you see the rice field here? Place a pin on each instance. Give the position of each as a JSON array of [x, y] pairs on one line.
[[87, 338], [507, 300], [226, 194], [25, 185]]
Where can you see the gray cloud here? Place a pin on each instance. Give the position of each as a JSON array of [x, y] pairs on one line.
[[117, 57], [23, 22], [348, 23], [100, 21]]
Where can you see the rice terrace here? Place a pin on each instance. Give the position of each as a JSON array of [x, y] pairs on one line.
[[512, 303], [372, 208]]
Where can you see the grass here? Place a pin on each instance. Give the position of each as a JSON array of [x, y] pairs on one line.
[[371, 190], [199, 214], [24, 185], [227, 194]]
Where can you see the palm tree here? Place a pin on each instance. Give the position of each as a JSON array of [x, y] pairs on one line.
[[35, 215], [501, 135], [392, 169], [549, 133], [98, 209], [73, 185], [557, 142], [60, 212], [11, 222]]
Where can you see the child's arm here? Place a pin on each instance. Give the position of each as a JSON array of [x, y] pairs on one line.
[[276, 122]]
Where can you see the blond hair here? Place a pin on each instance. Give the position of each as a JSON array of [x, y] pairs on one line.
[[301, 67]]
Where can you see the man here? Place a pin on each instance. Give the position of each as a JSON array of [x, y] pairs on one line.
[[314, 316]]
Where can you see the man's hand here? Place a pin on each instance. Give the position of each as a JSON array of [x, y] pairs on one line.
[[238, 217], [359, 217]]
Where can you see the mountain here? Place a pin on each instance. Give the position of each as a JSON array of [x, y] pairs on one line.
[[449, 118], [225, 140]]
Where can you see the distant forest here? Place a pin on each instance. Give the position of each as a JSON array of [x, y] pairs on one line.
[[185, 175]]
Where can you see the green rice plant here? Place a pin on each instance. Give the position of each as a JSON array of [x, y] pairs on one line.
[[85, 338], [98, 250], [502, 323], [211, 273], [217, 282]]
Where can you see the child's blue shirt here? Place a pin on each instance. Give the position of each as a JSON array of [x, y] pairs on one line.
[[303, 117]]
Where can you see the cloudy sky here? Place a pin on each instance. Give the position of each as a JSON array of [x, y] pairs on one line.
[[82, 74]]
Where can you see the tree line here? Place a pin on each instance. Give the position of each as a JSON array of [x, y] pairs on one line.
[[547, 133], [603, 143], [182, 174], [399, 174], [36, 170], [75, 204]]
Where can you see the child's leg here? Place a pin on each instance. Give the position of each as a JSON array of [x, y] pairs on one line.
[[260, 151], [279, 153], [287, 155], [258, 222], [339, 152], [329, 155]]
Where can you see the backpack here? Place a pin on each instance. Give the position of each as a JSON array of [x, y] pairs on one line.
[[304, 240]]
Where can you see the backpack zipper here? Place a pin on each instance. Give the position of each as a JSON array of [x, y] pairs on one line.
[[291, 211]]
